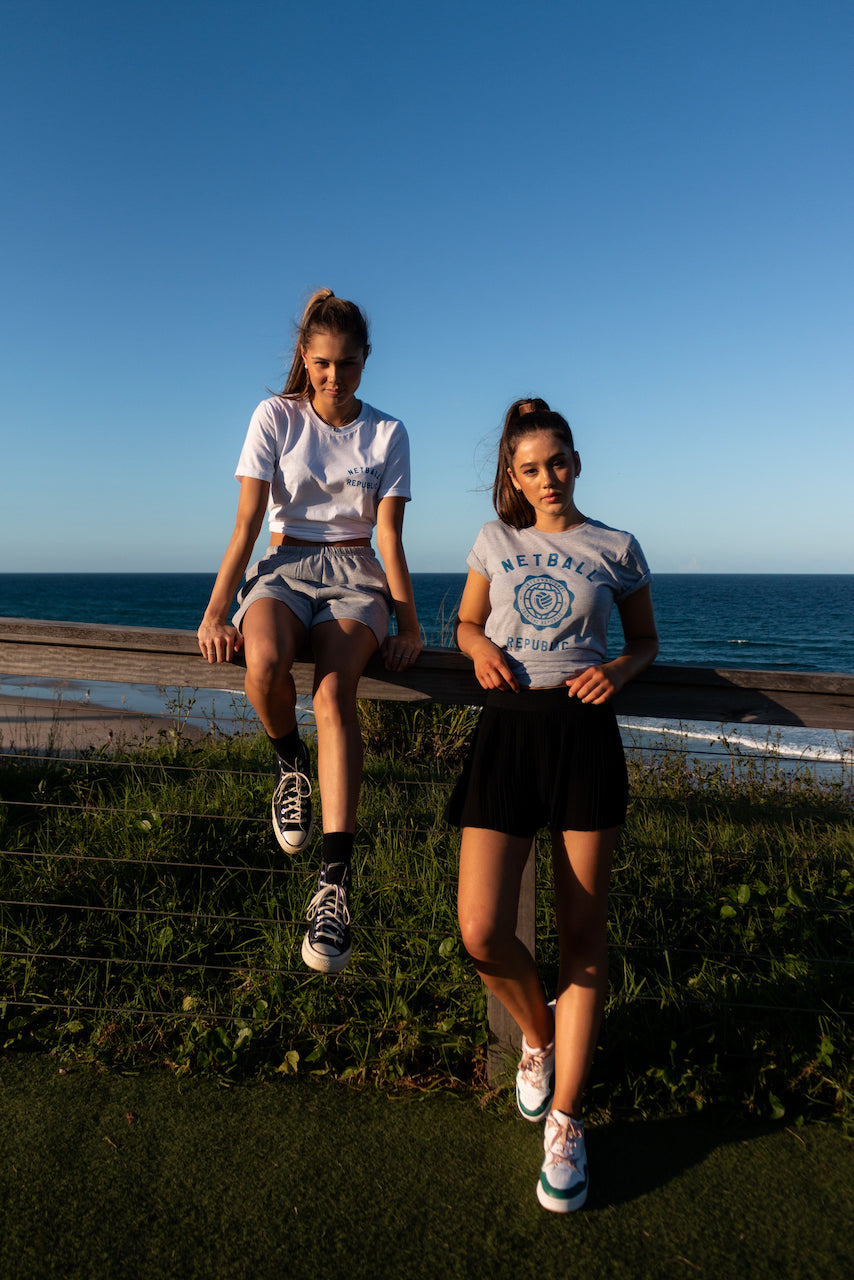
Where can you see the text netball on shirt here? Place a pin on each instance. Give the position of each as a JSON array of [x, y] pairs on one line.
[[549, 559], [364, 477]]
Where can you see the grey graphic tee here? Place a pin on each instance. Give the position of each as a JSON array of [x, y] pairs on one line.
[[551, 594]]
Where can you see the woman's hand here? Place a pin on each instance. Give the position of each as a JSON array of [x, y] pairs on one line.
[[400, 651], [490, 665], [219, 641], [596, 684]]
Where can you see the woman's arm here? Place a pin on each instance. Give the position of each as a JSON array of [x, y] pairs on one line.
[[218, 640], [401, 650], [490, 662], [598, 684]]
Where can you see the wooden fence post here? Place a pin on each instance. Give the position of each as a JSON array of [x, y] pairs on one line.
[[505, 1038]]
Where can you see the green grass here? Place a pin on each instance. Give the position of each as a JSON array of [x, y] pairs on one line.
[[163, 927], [152, 1177]]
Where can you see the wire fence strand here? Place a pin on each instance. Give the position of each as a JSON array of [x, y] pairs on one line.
[[185, 938]]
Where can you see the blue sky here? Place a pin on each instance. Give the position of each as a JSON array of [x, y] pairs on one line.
[[640, 211]]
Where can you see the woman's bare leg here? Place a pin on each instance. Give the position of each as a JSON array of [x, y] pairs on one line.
[[273, 636], [341, 651], [582, 869], [491, 866]]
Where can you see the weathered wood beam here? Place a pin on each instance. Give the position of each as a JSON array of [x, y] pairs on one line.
[[141, 655]]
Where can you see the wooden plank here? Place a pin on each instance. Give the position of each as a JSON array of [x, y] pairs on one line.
[[812, 700], [141, 655], [91, 635], [125, 667]]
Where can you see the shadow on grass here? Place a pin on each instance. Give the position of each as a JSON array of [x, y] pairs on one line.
[[630, 1161]]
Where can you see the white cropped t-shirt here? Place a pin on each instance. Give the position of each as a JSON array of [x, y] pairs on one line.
[[325, 482]]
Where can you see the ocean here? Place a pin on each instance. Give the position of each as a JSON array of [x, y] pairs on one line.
[[793, 622]]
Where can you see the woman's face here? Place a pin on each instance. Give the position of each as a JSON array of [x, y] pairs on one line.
[[544, 471], [334, 362]]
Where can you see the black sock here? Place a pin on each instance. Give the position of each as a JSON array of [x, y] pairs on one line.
[[287, 747], [338, 847]]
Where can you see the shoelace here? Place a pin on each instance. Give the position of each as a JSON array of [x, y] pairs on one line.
[[533, 1062], [563, 1145], [292, 791], [329, 911]]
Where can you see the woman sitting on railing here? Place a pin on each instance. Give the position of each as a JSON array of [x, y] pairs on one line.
[[329, 467]]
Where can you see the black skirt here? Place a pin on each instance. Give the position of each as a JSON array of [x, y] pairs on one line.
[[540, 758]]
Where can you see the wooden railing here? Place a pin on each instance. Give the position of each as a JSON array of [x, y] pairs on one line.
[[139, 655], [136, 655]]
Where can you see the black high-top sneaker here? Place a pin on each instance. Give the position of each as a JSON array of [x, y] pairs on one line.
[[326, 946]]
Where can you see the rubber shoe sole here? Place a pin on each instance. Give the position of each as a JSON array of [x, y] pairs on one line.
[[561, 1201], [322, 962]]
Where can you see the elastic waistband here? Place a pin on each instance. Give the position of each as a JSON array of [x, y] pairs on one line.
[[304, 551], [527, 699], [540, 701], [285, 540]]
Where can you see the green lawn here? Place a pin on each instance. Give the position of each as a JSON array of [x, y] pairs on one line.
[[106, 1175]]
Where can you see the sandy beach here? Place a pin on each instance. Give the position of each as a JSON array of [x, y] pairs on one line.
[[66, 727]]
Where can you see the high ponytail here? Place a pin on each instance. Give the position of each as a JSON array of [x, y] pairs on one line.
[[324, 313], [523, 418]]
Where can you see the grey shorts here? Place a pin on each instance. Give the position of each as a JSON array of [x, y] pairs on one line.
[[322, 585]]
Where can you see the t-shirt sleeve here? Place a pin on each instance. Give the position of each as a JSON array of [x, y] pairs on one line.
[[395, 481], [477, 558], [632, 571], [260, 452]]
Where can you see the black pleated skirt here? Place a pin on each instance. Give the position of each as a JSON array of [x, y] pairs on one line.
[[539, 758]]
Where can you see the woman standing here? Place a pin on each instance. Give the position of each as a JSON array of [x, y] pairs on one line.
[[547, 752]]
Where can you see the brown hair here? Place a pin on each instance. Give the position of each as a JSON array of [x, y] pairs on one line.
[[324, 313], [523, 418]]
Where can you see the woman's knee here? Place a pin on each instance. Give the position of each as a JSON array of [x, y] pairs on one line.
[[484, 937], [584, 944], [268, 671], [335, 698]]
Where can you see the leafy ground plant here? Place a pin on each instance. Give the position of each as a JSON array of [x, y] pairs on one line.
[[147, 916]]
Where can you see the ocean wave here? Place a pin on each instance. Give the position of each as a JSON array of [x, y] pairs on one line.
[[825, 746]]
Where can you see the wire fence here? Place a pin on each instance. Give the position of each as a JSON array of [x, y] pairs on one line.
[[145, 912]]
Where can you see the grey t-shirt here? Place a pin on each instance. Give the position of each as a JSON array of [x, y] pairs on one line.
[[551, 594]]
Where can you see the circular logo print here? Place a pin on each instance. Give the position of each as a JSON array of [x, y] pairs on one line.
[[544, 601]]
